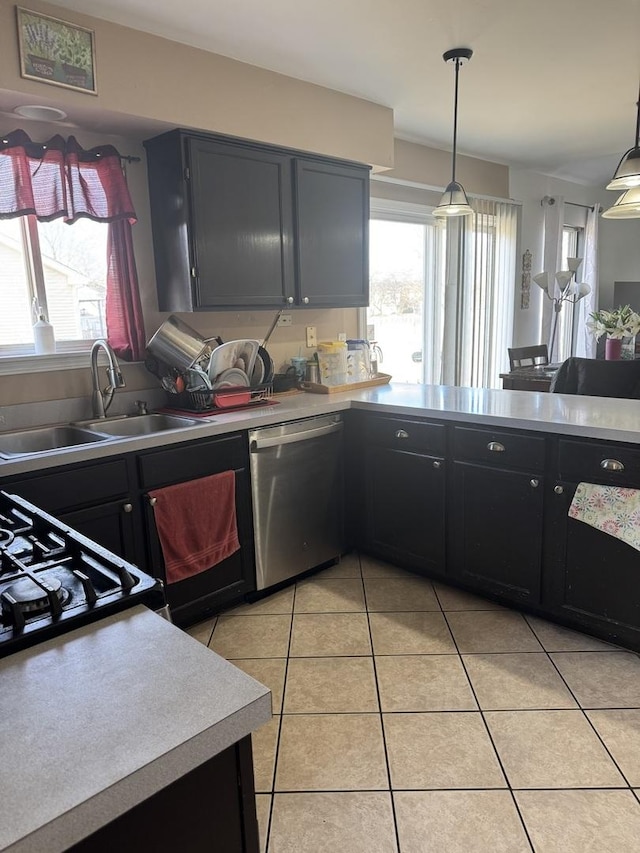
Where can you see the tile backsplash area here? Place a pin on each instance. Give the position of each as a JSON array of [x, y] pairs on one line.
[[74, 386]]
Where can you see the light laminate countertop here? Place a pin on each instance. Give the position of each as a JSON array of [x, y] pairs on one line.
[[603, 418], [101, 718]]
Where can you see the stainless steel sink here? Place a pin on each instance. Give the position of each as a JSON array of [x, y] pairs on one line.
[[27, 441], [132, 425]]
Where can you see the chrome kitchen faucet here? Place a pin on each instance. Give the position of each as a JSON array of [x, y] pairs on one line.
[[101, 400]]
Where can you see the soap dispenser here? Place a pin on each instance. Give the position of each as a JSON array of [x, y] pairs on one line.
[[43, 337]]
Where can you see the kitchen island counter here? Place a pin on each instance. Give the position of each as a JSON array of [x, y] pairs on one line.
[[98, 720], [609, 419]]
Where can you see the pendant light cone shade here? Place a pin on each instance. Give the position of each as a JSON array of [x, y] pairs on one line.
[[627, 175], [626, 207], [454, 201]]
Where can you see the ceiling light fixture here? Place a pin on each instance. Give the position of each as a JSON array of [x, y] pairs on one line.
[[454, 201], [627, 206], [627, 174], [40, 112]]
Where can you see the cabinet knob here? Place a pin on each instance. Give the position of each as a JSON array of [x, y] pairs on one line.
[[534, 483], [612, 465], [306, 300], [495, 446], [289, 300], [437, 464], [559, 490], [402, 433], [127, 507], [153, 501]]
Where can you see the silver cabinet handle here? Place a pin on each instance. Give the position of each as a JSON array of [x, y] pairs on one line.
[[127, 507], [534, 483], [612, 465], [402, 433], [437, 464], [306, 300], [290, 300], [495, 446], [153, 501], [558, 490]]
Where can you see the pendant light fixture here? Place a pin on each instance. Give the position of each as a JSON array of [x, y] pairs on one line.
[[627, 174], [454, 201]]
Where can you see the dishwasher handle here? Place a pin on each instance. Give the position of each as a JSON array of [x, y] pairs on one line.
[[277, 440]]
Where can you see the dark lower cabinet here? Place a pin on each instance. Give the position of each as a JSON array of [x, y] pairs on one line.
[[497, 530], [205, 593], [209, 810], [110, 525], [404, 493]]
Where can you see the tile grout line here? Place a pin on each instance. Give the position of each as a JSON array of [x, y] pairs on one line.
[[384, 738], [582, 710], [486, 725], [284, 689]]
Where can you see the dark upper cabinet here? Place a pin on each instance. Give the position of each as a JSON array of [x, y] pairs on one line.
[[242, 225], [332, 226], [496, 512]]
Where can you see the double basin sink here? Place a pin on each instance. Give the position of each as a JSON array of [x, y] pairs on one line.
[[27, 441]]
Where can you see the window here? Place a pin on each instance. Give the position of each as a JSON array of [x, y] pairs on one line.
[[64, 268], [572, 239], [405, 260], [441, 302]]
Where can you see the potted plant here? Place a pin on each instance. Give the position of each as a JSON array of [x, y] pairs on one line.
[[617, 324], [42, 44], [74, 54]]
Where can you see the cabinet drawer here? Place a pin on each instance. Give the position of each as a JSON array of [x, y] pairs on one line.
[[402, 434], [190, 462], [75, 487], [595, 461], [503, 449]]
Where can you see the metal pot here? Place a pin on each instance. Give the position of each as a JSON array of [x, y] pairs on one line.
[[177, 344]]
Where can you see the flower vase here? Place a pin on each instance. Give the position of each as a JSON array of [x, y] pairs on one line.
[[613, 349]]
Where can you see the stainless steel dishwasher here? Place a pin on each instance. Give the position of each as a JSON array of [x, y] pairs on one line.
[[297, 490]]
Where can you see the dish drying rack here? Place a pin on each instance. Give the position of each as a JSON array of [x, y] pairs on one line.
[[221, 399]]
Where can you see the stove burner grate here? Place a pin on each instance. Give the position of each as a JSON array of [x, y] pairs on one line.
[[34, 596]]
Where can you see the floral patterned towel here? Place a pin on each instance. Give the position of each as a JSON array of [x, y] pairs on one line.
[[613, 510]]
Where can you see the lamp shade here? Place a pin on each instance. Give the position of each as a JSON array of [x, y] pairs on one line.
[[627, 174], [573, 264], [543, 280], [563, 278], [582, 290], [454, 202], [627, 206]]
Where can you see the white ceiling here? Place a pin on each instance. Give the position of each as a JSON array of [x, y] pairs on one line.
[[552, 85]]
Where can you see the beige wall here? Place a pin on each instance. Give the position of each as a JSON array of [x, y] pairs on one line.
[[431, 167], [147, 79]]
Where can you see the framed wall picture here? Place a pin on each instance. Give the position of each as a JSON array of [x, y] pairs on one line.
[[56, 52]]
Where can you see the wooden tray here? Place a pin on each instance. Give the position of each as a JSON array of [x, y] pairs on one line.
[[313, 388]]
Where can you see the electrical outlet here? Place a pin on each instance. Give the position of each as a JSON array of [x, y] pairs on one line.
[[342, 336], [371, 332], [312, 338], [285, 320]]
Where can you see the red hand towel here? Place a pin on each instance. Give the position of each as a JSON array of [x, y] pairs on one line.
[[196, 523]]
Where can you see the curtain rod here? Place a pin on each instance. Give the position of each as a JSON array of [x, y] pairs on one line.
[[548, 199]]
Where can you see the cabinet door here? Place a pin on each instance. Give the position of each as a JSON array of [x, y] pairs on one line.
[[110, 525], [196, 597], [241, 225], [594, 579], [332, 228], [405, 498], [496, 530]]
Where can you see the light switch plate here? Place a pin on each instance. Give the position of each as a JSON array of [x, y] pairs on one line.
[[312, 338]]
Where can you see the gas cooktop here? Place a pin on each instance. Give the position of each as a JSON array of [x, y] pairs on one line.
[[53, 579]]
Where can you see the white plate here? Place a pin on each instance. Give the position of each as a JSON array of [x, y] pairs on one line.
[[234, 354], [232, 378]]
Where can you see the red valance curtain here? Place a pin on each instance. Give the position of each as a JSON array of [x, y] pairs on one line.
[[60, 179]]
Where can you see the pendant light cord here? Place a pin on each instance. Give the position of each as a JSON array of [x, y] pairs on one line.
[[455, 121], [638, 121]]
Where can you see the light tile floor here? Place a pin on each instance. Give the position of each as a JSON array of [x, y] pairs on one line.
[[410, 717]]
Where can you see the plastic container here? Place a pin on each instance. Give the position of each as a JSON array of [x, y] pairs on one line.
[[43, 337], [332, 362]]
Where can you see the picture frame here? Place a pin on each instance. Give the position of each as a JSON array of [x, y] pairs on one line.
[[56, 52]]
